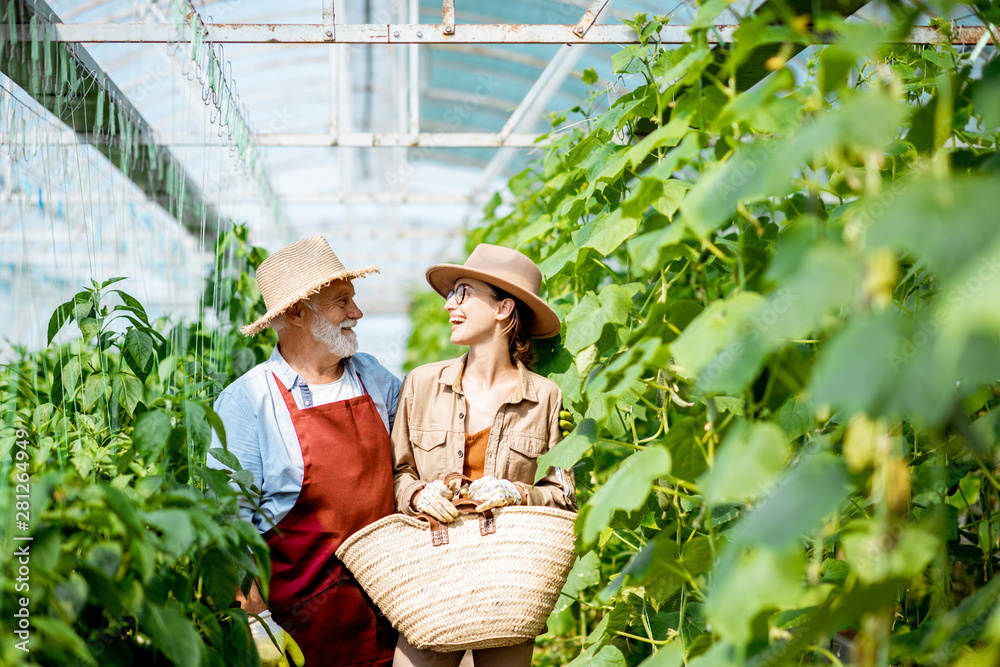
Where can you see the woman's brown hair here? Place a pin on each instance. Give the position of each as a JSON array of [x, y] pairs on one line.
[[518, 330]]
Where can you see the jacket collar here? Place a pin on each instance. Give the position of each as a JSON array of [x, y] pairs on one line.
[[455, 369]]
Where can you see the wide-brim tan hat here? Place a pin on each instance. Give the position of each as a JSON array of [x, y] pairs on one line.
[[507, 269], [297, 272]]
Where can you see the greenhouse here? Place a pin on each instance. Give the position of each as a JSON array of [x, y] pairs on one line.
[[552, 332]]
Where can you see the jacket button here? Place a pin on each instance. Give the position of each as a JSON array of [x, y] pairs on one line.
[[461, 453], [461, 415]]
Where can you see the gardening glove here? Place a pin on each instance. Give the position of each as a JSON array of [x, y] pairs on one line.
[[491, 492], [566, 422], [435, 500], [282, 651]]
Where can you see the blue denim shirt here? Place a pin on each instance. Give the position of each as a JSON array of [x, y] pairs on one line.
[[260, 434]]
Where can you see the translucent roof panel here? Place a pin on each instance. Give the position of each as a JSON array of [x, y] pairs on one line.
[[352, 140]]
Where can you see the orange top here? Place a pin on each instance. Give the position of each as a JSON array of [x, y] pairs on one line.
[[475, 454]]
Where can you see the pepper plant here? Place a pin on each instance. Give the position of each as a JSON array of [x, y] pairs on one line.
[[134, 554], [778, 268]]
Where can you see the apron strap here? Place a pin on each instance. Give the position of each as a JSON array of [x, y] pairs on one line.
[[290, 400], [286, 394]]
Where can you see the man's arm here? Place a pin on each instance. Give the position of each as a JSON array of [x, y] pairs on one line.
[[253, 603], [243, 442]]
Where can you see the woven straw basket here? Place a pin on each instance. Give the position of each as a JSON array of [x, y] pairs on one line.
[[468, 584]]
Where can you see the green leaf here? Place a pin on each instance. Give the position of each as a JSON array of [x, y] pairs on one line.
[[987, 95], [708, 12], [782, 518], [624, 57], [131, 391], [71, 375], [599, 656], [671, 655], [621, 379], [795, 417], [569, 451], [586, 572], [557, 260], [57, 636], [177, 531], [626, 490], [94, 390], [226, 458], [655, 249], [751, 457], [835, 63], [878, 553], [151, 433], [139, 346], [864, 349], [688, 456], [749, 581], [106, 557], [198, 427], [589, 76], [586, 321], [667, 135], [89, 327], [124, 507], [133, 305], [216, 423], [920, 216], [172, 633], [623, 110], [767, 168], [64, 312], [218, 574], [606, 233], [707, 335]]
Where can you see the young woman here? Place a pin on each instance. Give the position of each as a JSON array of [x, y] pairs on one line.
[[484, 414]]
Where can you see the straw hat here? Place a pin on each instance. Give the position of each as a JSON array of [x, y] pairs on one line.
[[296, 272], [507, 269]]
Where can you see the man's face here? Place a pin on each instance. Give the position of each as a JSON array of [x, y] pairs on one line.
[[334, 315]]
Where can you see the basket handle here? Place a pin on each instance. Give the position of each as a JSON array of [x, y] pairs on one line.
[[456, 475], [439, 531]]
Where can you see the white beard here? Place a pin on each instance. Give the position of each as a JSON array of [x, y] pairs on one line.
[[339, 343]]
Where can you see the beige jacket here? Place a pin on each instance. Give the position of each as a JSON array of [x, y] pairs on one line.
[[428, 438]]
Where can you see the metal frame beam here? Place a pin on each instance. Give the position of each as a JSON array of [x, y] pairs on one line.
[[319, 140], [279, 33]]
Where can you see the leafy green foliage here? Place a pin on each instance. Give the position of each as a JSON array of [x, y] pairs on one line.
[[134, 554], [780, 345], [431, 339]]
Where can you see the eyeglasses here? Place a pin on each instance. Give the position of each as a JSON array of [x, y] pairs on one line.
[[462, 292]]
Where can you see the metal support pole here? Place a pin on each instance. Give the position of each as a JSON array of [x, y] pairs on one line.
[[329, 20], [595, 9], [413, 85], [448, 17]]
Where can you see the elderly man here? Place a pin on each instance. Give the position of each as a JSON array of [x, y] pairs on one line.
[[312, 425]]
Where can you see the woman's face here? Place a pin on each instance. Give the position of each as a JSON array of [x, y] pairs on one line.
[[478, 318]]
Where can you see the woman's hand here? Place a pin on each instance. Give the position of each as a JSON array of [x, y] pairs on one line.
[[491, 492], [435, 500]]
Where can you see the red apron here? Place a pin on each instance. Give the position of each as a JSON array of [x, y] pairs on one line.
[[346, 485]]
